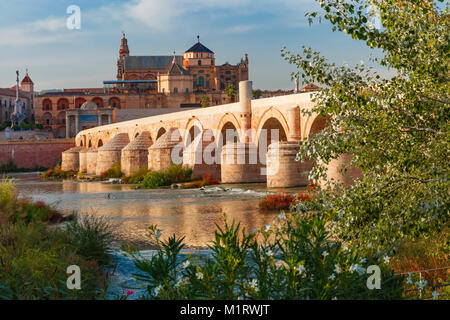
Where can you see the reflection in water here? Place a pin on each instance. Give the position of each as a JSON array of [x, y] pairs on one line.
[[190, 213]]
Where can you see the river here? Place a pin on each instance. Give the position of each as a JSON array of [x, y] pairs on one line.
[[192, 213]]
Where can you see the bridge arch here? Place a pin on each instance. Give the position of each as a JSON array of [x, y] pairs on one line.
[[313, 125], [228, 121], [190, 133], [272, 119], [161, 131]]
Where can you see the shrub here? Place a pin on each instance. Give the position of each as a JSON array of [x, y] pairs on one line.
[[173, 174], [296, 259], [9, 166], [137, 177], [34, 258], [58, 173], [91, 236], [115, 172], [278, 201], [206, 181], [155, 179]]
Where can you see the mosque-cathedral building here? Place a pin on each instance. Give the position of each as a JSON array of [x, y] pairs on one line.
[[144, 86]]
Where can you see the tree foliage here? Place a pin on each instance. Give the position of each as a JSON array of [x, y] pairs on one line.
[[396, 128]]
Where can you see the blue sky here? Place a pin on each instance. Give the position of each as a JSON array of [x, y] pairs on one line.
[[33, 34]]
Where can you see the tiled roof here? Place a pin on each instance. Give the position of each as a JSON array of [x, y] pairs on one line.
[[27, 79], [150, 62], [118, 142], [141, 142], [198, 47], [12, 93], [176, 69]]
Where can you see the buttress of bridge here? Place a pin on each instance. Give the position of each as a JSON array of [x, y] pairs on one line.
[[135, 154], [110, 154]]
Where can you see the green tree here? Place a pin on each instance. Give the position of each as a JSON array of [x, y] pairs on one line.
[[205, 101], [396, 128], [230, 91], [257, 93]]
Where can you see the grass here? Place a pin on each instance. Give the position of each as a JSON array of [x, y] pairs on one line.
[[34, 258], [424, 254]]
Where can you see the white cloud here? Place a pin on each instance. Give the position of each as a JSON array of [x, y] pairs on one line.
[[49, 30], [242, 28]]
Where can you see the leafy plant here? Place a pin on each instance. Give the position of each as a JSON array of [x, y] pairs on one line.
[[395, 128], [296, 259]]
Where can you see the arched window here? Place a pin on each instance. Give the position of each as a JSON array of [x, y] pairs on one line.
[[207, 84]]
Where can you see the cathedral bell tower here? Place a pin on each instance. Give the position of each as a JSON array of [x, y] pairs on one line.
[[123, 52]]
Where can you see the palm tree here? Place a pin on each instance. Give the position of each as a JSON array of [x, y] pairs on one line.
[[205, 101], [230, 91]]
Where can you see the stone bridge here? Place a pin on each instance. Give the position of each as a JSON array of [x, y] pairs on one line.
[[247, 141]]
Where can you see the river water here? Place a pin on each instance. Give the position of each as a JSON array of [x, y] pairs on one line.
[[192, 213]]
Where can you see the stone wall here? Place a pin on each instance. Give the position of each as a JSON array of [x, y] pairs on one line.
[[34, 153]]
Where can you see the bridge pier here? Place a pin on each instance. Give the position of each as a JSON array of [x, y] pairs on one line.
[[334, 171], [160, 153], [135, 154], [83, 160], [71, 159], [240, 163], [111, 153], [282, 169], [91, 160]]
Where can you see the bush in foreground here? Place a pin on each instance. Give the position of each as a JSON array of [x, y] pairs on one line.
[[34, 258], [296, 259]]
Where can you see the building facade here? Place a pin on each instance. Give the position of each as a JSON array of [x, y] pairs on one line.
[[146, 82], [26, 95]]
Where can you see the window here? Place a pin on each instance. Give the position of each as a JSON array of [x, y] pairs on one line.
[[207, 75], [201, 71], [228, 72], [195, 84], [175, 90], [187, 90], [207, 84], [201, 82], [199, 62]]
